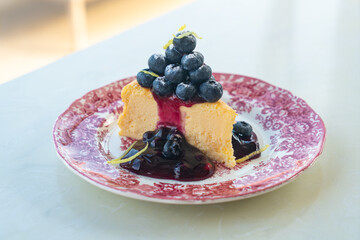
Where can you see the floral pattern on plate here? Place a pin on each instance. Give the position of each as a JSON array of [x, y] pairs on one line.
[[85, 137]]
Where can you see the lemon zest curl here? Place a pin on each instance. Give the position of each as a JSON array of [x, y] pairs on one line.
[[150, 73], [185, 34], [121, 160], [168, 43], [182, 28], [180, 36], [247, 157]]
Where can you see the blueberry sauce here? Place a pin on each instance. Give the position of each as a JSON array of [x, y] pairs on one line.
[[245, 145], [169, 110], [190, 165]]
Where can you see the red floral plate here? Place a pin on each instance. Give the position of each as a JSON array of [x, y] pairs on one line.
[[86, 136]]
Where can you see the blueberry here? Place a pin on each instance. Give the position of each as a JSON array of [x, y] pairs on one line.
[[157, 63], [186, 44], [148, 136], [178, 170], [200, 75], [172, 149], [185, 91], [157, 139], [243, 129], [157, 144], [162, 132], [136, 164], [243, 145], [211, 91], [175, 74], [162, 87], [172, 55], [192, 61], [175, 134], [144, 79]]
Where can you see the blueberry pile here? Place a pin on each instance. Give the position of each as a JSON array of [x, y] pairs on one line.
[[181, 71], [168, 141]]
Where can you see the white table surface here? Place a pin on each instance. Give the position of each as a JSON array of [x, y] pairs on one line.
[[311, 48]]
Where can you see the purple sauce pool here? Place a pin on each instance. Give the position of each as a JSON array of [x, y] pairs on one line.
[[192, 165]]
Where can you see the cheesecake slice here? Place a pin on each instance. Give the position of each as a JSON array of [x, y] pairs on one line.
[[207, 126]]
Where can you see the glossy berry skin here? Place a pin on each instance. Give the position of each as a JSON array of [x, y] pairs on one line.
[[211, 91], [145, 80], [243, 130], [175, 74], [156, 139], [172, 149], [157, 63], [243, 147], [186, 44], [162, 133], [174, 144], [162, 87], [148, 136], [192, 61], [200, 75], [172, 55], [185, 91], [175, 134], [157, 144]]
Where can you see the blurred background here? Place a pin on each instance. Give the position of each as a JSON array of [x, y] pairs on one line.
[[34, 33]]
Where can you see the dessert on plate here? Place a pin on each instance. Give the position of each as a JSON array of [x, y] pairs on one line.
[[175, 112]]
